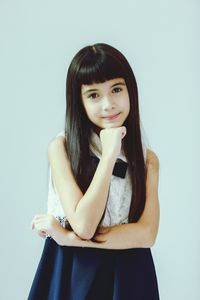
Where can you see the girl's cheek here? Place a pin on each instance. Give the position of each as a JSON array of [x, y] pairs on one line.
[[93, 110]]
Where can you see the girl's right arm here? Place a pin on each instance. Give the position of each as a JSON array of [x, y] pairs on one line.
[[85, 211]]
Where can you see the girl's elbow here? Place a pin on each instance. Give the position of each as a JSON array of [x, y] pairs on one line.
[[150, 242], [81, 228], [84, 232], [150, 238]]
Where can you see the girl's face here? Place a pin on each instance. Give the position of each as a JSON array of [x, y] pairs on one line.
[[106, 104]]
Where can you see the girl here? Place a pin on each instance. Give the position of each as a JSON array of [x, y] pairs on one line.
[[103, 208]]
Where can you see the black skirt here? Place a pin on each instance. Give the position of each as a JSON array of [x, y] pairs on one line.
[[77, 273]]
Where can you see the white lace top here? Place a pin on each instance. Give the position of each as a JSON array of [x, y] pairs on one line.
[[119, 197]]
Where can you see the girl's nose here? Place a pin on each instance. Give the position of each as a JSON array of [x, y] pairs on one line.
[[108, 103]]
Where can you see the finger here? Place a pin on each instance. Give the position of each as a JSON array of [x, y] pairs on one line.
[[40, 226], [39, 216], [42, 234], [32, 225]]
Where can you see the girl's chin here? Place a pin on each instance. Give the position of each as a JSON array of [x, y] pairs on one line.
[[98, 127], [112, 124]]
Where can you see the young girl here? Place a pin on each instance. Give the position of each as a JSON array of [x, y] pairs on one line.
[[103, 208]]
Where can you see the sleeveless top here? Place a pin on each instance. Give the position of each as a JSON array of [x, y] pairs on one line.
[[119, 197]]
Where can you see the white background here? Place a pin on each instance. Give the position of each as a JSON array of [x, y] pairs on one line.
[[161, 41]]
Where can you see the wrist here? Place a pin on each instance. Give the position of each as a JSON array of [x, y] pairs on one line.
[[67, 238], [108, 159], [59, 235]]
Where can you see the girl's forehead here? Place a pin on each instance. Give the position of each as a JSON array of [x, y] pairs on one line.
[[107, 83]]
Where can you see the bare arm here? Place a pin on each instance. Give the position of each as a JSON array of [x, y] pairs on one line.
[[123, 236], [84, 211], [133, 235]]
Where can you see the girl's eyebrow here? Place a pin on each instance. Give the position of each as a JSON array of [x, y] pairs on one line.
[[94, 90]]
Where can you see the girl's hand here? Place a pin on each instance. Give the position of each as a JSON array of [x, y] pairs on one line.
[[47, 224], [111, 139], [103, 230]]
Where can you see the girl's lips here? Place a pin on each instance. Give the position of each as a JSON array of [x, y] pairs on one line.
[[111, 117]]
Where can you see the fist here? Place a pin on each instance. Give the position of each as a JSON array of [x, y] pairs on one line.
[[111, 139], [45, 224]]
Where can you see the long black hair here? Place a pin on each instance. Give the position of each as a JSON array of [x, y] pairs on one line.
[[96, 64]]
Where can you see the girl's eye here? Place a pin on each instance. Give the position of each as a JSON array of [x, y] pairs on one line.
[[92, 96], [117, 89]]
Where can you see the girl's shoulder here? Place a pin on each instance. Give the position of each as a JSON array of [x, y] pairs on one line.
[[60, 136], [57, 142]]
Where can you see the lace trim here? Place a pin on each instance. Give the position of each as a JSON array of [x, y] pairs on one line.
[[64, 222]]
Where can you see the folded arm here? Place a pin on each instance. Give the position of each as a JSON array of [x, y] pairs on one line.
[[132, 235], [81, 210]]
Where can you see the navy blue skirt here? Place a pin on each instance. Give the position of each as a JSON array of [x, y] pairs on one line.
[[76, 273]]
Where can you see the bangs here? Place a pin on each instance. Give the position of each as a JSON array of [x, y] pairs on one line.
[[97, 68]]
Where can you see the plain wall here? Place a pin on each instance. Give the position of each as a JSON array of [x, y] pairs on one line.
[[160, 39]]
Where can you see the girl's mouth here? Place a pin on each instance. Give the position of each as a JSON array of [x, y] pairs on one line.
[[111, 117]]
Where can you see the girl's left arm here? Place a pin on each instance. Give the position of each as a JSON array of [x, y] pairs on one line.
[[141, 234]]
